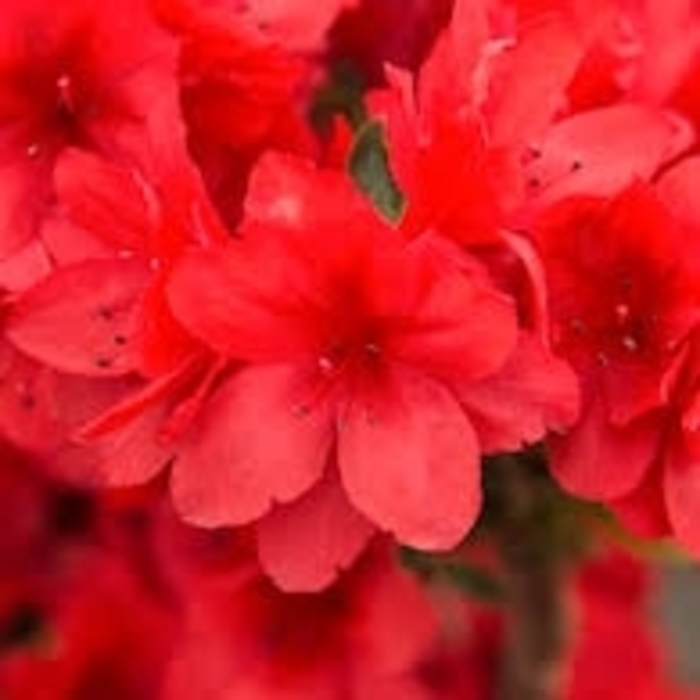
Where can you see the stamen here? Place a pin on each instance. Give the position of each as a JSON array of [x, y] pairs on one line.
[[622, 311], [325, 364], [66, 96], [630, 343]]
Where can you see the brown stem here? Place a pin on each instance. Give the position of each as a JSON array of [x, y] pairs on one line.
[[537, 632]]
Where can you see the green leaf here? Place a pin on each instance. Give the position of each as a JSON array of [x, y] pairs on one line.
[[470, 580], [341, 94], [475, 582], [660, 550], [369, 167]]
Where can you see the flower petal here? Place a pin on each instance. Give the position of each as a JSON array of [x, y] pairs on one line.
[[643, 512], [304, 544], [601, 151], [221, 298], [251, 447], [533, 393], [81, 318], [126, 456], [109, 201], [677, 188], [600, 461], [393, 598], [681, 485], [24, 197], [283, 193], [530, 81], [460, 325], [27, 407], [410, 461]]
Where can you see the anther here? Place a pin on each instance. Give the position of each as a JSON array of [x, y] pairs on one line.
[[325, 364], [630, 344], [622, 311]]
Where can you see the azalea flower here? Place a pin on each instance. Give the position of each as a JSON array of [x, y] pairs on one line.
[[359, 639], [624, 296], [244, 87], [101, 318], [356, 347], [105, 635], [665, 501], [85, 77]]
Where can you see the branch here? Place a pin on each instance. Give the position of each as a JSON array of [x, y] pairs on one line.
[[536, 567]]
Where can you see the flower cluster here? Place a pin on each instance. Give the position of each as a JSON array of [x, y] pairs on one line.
[[278, 279]]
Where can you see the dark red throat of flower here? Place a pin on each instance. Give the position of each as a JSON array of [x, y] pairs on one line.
[[354, 342]]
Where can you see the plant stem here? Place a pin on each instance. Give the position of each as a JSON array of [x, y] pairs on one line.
[[536, 568]]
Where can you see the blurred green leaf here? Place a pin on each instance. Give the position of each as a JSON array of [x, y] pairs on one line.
[[470, 580], [342, 95], [475, 582], [661, 550], [369, 167]]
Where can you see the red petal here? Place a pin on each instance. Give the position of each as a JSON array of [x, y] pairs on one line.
[[407, 446], [633, 390], [393, 600], [304, 545], [681, 486], [27, 407], [80, 319], [533, 393], [68, 244], [252, 446], [678, 189], [460, 326], [469, 30], [221, 298], [600, 461], [301, 25], [431, 137], [109, 201], [530, 81], [162, 390], [601, 151], [24, 268], [163, 342], [535, 303], [283, 193], [24, 197], [644, 511], [127, 456]]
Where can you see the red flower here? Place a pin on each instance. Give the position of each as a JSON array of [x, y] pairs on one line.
[[358, 639], [355, 344], [667, 500], [442, 123], [113, 241], [623, 280], [105, 635], [242, 89], [602, 151], [103, 313], [473, 115], [84, 77]]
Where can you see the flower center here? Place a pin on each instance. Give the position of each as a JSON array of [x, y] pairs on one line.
[[65, 102], [340, 357]]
